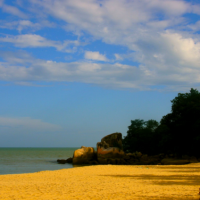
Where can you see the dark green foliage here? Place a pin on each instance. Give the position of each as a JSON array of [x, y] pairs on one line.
[[177, 133], [141, 136], [183, 124]]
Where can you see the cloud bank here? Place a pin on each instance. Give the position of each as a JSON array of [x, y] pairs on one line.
[[160, 36]]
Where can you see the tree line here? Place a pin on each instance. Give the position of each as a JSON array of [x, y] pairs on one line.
[[177, 133]]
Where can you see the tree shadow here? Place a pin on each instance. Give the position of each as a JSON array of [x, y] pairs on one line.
[[164, 180]]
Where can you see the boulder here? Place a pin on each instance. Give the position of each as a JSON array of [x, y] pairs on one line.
[[83, 155], [112, 140], [110, 149], [173, 161], [113, 153]]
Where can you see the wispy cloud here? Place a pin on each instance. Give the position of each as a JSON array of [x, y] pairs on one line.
[[33, 40], [118, 57], [12, 10], [26, 124], [21, 25]]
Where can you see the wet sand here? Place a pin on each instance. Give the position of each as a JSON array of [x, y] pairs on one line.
[[105, 182]]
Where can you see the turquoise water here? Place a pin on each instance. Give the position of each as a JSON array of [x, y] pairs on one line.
[[28, 160]]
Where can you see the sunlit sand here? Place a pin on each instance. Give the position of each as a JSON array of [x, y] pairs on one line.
[[104, 182]]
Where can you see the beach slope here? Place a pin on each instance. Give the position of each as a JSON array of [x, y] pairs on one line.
[[105, 182]]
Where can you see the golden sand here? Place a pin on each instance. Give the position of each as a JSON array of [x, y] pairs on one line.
[[105, 182]]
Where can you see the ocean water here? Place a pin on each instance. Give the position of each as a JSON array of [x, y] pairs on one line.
[[28, 160]]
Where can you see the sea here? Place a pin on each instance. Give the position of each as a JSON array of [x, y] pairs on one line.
[[29, 160]]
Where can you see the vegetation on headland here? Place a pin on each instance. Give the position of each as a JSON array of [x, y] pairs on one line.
[[177, 133]]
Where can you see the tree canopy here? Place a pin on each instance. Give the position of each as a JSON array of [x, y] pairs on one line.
[[140, 136], [178, 132], [183, 123]]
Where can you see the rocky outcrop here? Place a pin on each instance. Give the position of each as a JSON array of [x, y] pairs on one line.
[[63, 161], [173, 161], [69, 160], [138, 158], [83, 155], [110, 149]]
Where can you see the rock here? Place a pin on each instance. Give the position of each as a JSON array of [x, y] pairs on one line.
[[127, 157], [69, 160], [145, 160], [110, 161], [193, 160], [83, 155], [111, 152], [161, 155], [110, 147], [62, 161], [131, 162], [95, 162], [102, 161], [123, 162], [153, 160], [138, 154], [113, 161], [112, 140], [173, 161], [186, 157]]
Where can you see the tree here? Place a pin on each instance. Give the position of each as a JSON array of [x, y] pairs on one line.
[[183, 124], [141, 136], [177, 133]]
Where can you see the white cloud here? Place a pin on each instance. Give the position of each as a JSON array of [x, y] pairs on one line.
[[12, 10], [33, 40], [21, 25], [156, 71], [195, 27], [157, 34], [95, 55], [170, 7], [114, 16], [26, 124], [118, 57], [121, 22]]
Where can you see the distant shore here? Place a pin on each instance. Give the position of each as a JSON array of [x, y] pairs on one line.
[[105, 182]]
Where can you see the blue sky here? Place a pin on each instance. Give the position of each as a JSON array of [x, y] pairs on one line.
[[72, 72]]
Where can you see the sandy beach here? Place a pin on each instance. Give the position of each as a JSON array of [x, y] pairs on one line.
[[105, 182]]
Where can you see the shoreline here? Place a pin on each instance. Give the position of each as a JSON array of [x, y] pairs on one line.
[[105, 182]]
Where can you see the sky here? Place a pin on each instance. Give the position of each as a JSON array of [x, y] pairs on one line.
[[72, 72]]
